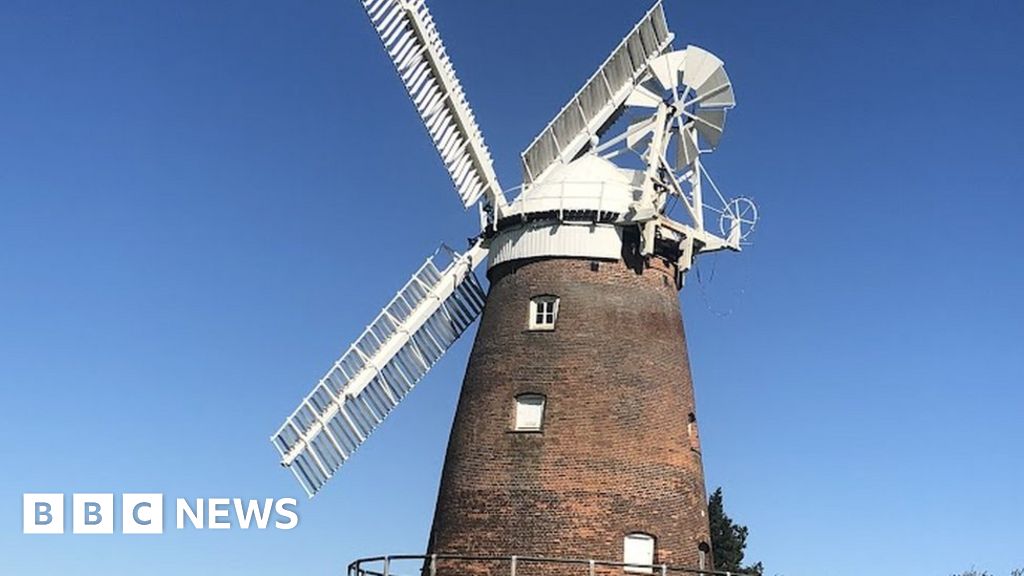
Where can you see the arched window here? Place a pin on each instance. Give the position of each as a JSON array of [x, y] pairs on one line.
[[704, 549], [638, 552], [693, 432], [543, 312], [529, 412]]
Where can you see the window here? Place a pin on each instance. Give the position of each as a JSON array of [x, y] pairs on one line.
[[691, 431], [704, 549], [529, 412], [638, 548], [543, 312]]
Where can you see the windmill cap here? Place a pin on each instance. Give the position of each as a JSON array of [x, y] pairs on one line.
[[570, 213], [586, 167], [589, 183]]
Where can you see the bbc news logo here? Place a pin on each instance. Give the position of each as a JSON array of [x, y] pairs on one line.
[[144, 513]]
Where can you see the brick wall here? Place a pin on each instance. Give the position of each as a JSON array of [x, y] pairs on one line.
[[618, 451]]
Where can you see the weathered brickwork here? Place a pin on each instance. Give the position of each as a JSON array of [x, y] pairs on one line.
[[618, 451]]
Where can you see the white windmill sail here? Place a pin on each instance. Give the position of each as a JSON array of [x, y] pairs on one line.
[[395, 351], [596, 103], [407, 30]]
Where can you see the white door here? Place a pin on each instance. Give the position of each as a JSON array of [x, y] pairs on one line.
[[638, 548]]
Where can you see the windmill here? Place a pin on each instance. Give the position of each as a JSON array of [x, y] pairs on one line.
[[575, 434]]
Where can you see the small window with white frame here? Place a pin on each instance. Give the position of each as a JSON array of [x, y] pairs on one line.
[[543, 312], [529, 412], [638, 553]]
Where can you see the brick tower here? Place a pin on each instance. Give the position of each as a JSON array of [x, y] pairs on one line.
[[576, 430]]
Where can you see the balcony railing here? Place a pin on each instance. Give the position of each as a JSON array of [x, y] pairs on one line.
[[561, 197], [427, 565]]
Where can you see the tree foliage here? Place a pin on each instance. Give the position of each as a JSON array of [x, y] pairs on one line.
[[728, 539]]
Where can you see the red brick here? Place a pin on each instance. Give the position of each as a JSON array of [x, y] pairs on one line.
[[616, 454]]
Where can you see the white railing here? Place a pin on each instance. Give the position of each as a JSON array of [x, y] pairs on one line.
[[432, 564], [560, 197]]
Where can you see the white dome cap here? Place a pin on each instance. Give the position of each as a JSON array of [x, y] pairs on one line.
[[587, 168], [587, 183], [574, 209]]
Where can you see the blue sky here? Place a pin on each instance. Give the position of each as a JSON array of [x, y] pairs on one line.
[[202, 204]]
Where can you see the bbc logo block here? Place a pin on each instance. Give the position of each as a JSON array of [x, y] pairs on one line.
[[93, 513], [142, 513], [42, 514]]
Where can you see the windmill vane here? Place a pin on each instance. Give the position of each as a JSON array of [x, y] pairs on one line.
[[575, 435]]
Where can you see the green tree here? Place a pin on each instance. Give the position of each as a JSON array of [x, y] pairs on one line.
[[728, 539]]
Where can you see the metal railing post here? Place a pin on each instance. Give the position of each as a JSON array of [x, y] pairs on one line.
[[591, 567], [514, 562], [433, 565], [664, 570], [387, 565]]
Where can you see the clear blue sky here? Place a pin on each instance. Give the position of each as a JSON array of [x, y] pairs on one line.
[[202, 203]]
